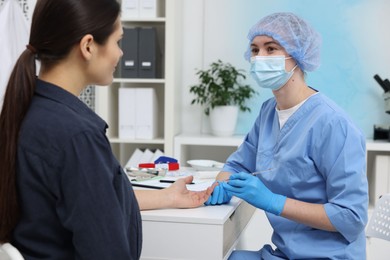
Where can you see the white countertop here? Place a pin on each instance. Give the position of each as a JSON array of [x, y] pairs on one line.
[[203, 215]]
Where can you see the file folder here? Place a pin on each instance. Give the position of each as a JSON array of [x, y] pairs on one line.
[[149, 63], [146, 113], [127, 113], [129, 45], [130, 9]]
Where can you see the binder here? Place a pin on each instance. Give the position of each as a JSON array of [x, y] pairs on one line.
[[130, 9], [141, 9], [146, 113], [129, 45], [149, 64], [149, 8], [127, 111]]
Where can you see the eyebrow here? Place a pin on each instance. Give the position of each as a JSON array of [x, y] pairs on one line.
[[267, 43]]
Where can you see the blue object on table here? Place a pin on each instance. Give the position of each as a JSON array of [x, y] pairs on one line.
[[165, 159]]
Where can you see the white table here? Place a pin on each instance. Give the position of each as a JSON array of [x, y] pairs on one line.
[[207, 232], [377, 145]]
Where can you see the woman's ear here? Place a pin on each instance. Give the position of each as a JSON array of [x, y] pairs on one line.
[[87, 45]]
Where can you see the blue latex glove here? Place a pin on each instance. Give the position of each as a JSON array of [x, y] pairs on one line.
[[251, 189], [219, 196]]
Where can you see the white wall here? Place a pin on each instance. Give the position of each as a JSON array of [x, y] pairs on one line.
[[192, 50], [207, 37], [355, 47]]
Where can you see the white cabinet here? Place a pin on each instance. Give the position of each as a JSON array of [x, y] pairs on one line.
[[378, 169], [378, 174], [167, 88], [198, 233]]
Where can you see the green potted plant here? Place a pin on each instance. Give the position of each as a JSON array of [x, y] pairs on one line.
[[220, 88]]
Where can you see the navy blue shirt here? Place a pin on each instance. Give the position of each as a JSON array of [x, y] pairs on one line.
[[76, 201]]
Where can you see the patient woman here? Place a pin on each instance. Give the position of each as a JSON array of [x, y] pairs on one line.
[[63, 195]]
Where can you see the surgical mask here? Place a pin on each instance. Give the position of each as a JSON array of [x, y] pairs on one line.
[[270, 71]]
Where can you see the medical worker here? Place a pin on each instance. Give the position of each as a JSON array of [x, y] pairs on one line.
[[63, 194], [303, 162]]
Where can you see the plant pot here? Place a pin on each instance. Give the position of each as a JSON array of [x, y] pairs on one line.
[[223, 120]]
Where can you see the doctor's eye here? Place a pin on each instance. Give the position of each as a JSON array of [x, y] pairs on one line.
[[254, 51], [271, 49]]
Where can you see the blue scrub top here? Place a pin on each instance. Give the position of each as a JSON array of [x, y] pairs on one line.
[[318, 156], [76, 201]]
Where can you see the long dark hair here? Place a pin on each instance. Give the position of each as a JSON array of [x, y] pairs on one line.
[[57, 26]]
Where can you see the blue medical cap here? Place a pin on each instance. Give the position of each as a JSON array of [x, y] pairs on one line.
[[295, 35]]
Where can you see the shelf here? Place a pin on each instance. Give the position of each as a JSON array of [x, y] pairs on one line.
[[377, 145], [138, 80], [205, 147], [144, 20], [137, 141], [211, 140]]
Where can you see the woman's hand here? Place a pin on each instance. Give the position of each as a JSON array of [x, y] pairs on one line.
[[181, 197]]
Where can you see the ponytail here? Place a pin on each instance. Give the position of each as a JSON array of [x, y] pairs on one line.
[[17, 98]]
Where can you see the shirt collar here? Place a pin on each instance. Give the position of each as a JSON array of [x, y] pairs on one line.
[[60, 95]]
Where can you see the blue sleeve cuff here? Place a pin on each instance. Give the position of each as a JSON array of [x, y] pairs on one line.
[[344, 220]]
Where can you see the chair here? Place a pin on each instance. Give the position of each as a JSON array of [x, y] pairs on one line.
[[9, 252], [379, 225]]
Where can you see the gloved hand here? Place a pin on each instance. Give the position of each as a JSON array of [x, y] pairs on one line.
[[219, 196], [251, 189]]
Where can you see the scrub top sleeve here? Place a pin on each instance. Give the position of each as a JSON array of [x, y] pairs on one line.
[[89, 207], [341, 158]]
